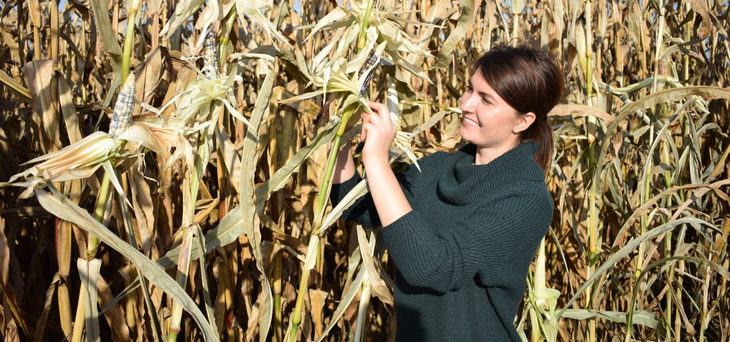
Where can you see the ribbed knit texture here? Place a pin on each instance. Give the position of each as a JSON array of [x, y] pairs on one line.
[[463, 252]]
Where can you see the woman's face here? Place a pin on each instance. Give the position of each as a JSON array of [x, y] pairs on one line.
[[487, 120]]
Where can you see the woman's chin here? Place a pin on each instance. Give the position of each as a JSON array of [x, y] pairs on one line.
[[465, 134]]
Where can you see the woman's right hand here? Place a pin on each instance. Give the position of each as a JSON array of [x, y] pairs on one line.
[[378, 132]]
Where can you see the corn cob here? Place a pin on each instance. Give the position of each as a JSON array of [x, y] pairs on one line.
[[122, 115], [369, 68], [210, 68]]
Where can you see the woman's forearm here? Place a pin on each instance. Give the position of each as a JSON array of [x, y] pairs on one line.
[[388, 197], [345, 167]]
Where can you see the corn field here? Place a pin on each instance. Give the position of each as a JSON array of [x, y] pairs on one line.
[[166, 164]]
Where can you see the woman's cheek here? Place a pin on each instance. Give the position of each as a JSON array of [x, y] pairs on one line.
[[464, 132]]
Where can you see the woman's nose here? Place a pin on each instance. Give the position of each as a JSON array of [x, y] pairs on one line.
[[466, 103]]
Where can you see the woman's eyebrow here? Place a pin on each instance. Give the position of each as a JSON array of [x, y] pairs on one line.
[[487, 95], [481, 93]]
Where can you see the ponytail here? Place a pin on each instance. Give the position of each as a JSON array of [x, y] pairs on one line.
[[544, 139]]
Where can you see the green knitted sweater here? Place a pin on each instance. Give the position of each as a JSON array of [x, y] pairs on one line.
[[463, 252]]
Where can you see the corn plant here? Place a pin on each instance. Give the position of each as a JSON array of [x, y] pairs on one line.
[[141, 138]]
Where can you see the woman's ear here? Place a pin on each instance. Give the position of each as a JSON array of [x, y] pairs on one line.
[[523, 122]]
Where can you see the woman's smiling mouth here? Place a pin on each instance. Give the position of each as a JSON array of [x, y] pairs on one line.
[[470, 122]]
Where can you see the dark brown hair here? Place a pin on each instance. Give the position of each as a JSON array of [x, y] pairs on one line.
[[529, 80]]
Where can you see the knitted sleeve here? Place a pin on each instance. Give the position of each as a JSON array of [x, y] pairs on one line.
[[477, 246], [363, 210]]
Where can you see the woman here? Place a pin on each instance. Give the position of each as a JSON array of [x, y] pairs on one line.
[[462, 232]]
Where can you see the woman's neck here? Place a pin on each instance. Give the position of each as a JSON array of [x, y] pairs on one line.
[[484, 155]]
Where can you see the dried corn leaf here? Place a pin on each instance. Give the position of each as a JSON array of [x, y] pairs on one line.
[[183, 10], [40, 327], [410, 67], [38, 75], [67, 210], [89, 274], [628, 248], [150, 75], [16, 87], [183, 270], [11, 43], [466, 20], [104, 27], [207, 19], [144, 210], [706, 24], [674, 94], [397, 39], [79, 160], [110, 172], [4, 255], [114, 315], [231, 158], [640, 317], [284, 174], [70, 117], [381, 285], [161, 139], [358, 191], [200, 239], [230, 228], [248, 206], [334, 19], [253, 9], [347, 297], [581, 110], [34, 9], [317, 301]]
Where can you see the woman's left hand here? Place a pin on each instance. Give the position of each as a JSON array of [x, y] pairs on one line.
[[378, 132]]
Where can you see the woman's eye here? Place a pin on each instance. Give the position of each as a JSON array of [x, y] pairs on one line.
[[485, 101]]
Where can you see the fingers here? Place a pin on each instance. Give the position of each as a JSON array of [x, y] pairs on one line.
[[373, 118], [380, 109], [377, 106], [378, 120], [380, 115], [364, 131]]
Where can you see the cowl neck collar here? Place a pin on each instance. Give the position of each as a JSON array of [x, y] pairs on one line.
[[463, 182]]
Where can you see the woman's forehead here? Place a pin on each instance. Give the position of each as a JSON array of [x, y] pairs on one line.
[[477, 80]]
